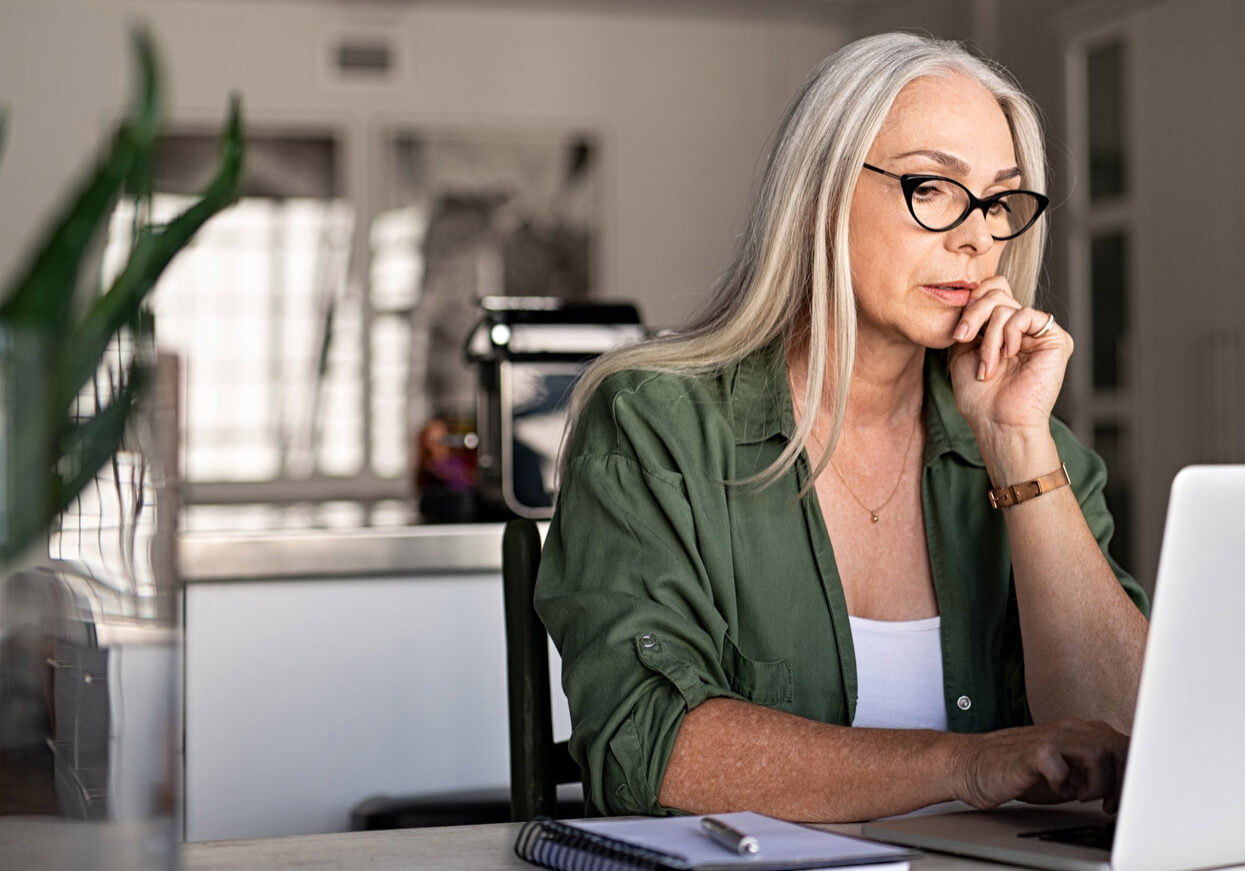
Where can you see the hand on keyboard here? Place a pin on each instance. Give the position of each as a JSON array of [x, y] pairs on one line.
[[1053, 762]]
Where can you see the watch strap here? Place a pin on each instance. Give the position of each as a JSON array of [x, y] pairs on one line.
[[1014, 494]]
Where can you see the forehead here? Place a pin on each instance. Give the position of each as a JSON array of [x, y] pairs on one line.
[[953, 113]]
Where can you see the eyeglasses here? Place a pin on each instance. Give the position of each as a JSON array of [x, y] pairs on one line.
[[940, 204]]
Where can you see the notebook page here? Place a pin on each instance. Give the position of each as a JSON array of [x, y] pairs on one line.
[[780, 842]]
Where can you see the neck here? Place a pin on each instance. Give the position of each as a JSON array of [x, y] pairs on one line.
[[886, 389], [887, 385]]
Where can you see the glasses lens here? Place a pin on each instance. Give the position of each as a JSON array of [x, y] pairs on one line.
[[1011, 213], [937, 203]]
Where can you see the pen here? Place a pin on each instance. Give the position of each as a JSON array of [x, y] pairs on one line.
[[729, 836]]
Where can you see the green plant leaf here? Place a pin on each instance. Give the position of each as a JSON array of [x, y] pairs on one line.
[[149, 112], [86, 446], [49, 457], [42, 293], [140, 180], [153, 251], [27, 435]]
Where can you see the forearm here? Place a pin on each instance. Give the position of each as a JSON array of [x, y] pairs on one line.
[[732, 755], [1083, 637]]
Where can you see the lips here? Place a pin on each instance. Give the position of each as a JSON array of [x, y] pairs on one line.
[[953, 293]]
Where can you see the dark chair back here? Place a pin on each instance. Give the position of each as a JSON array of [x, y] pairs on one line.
[[537, 763]]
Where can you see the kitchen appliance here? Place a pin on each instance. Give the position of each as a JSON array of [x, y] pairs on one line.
[[528, 353]]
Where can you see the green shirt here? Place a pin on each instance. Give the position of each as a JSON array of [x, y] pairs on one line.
[[662, 585]]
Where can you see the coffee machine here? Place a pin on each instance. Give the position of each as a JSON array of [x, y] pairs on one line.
[[528, 353]]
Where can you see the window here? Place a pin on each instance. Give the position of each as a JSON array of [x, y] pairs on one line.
[[259, 309], [1100, 248], [316, 340]]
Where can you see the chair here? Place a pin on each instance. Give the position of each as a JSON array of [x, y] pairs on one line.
[[537, 763]]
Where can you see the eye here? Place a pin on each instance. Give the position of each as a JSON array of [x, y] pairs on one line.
[[999, 208], [932, 189]]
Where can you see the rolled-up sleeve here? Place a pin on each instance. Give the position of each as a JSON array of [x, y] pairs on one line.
[[626, 594]]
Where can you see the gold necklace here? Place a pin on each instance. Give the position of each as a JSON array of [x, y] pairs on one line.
[[873, 512]]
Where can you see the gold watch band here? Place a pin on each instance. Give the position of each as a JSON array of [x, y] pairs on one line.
[[1013, 494]]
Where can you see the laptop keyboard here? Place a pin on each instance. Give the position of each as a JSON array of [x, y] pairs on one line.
[[1098, 836]]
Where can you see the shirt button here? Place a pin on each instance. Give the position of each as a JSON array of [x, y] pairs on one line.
[[647, 641], [963, 703]]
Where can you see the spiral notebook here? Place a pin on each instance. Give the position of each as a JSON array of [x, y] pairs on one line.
[[679, 844]]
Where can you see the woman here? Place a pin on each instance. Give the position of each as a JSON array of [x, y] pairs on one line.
[[774, 574]]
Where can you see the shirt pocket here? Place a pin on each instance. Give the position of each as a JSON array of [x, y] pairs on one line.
[[765, 682]]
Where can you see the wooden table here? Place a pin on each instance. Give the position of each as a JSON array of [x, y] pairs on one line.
[[480, 848], [475, 847]]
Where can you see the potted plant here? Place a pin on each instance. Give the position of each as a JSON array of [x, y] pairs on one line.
[[75, 364]]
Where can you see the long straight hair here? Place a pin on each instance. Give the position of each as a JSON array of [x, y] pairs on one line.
[[788, 283]]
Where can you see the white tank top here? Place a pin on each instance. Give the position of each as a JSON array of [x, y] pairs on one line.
[[899, 674]]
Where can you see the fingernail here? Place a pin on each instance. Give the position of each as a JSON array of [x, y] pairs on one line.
[[981, 371], [961, 332]]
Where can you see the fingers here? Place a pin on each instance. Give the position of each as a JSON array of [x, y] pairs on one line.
[[1054, 769], [993, 337], [1115, 753], [1111, 800], [983, 319], [1062, 761], [1000, 326], [1094, 754], [985, 298], [1010, 329], [1031, 323]]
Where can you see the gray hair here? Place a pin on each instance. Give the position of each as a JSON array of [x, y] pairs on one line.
[[787, 283]]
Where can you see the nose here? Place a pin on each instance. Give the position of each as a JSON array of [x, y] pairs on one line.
[[972, 236]]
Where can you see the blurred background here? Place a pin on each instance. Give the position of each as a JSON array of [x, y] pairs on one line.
[[408, 158]]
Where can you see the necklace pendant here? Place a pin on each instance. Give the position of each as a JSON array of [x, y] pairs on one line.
[[874, 514]]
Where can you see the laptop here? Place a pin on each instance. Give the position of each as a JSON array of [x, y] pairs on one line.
[[1183, 799]]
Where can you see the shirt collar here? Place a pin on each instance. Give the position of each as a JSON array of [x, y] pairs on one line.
[[760, 396], [761, 405], [946, 430]]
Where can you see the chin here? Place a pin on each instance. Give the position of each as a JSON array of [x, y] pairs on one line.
[[936, 343], [934, 336]]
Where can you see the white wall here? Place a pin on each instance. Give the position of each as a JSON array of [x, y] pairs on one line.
[[684, 103]]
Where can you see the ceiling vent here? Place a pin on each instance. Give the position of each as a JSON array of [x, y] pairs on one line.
[[363, 58]]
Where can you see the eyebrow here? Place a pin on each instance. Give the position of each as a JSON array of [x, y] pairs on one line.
[[955, 164]]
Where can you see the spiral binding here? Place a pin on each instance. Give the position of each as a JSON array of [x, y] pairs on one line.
[[567, 848]]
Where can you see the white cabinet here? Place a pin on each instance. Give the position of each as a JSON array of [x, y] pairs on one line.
[[304, 697]]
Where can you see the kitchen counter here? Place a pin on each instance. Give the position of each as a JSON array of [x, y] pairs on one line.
[[434, 549], [386, 645]]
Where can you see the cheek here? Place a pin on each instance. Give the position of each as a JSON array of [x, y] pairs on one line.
[[885, 256], [872, 245]]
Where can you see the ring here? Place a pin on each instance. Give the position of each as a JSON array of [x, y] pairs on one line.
[[1050, 322]]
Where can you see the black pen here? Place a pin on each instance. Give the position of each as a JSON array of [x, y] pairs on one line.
[[729, 836]]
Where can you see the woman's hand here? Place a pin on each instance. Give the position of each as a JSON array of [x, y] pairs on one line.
[[1006, 377], [1054, 762]]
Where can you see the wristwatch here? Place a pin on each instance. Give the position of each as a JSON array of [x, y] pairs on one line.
[[1013, 494]]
